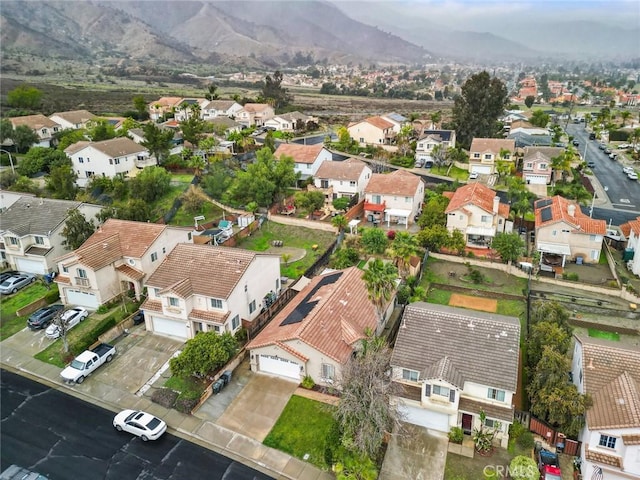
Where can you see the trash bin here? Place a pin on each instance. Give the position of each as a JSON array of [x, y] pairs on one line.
[[217, 386], [578, 260], [226, 377]]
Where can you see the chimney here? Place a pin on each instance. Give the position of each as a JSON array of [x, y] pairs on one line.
[[496, 204], [571, 209]]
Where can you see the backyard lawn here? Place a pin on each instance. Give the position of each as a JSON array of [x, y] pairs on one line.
[[302, 430], [208, 210], [9, 322]]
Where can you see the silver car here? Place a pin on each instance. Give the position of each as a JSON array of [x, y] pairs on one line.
[[16, 282]]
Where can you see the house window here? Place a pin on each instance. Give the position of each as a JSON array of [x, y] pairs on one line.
[[156, 292], [216, 328], [495, 394], [80, 160], [82, 273], [235, 323], [607, 441], [65, 269], [407, 199], [592, 238], [440, 390], [507, 156], [410, 375], [529, 165], [252, 307], [543, 166], [88, 160], [328, 371], [324, 183], [154, 256], [489, 422], [361, 139], [487, 156], [164, 249], [216, 303], [174, 302], [352, 183], [116, 161], [554, 233], [376, 199], [594, 255], [484, 218], [476, 155], [39, 240], [111, 161]]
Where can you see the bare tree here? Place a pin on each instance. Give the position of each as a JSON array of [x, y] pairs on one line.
[[62, 329]]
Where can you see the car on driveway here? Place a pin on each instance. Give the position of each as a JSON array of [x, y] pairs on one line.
[[16, 282], [140, 424], [71, 318], [632, 176], [8, 274], [473, 175], [42, 318]]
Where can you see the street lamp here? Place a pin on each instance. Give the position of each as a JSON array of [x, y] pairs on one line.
[[593, 200], [13, 170]]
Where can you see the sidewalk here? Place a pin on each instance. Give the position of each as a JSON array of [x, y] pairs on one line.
[[198, 430]]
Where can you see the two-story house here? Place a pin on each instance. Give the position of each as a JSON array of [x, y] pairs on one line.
[[307, 158], [201, 288], [219, 108], [188, 108], [397, 120], [31, 231], [162, 107], [396, 197], [536, 169], [73, 120], [342, 179], [317, 332], [255, 114], [609, 372], [42, 126], [430, 139], [290, 122], [108, 158], [486, 152], [564, 233], [374, 131], [451, 364], [631, 231], [115, 260], [475, 210]]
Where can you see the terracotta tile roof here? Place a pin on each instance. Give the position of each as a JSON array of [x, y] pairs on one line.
[[153, 305], [35, 122], [559, 209], [483, 347], [632, 439], [130, 272], [75, 116], [335, 310], [166, 102], [292, 351], [379, 122], [98, 254], [216, 317], [211, 271], [182, 288], [348, 170], [114, 147], [299, 153], [476, 194], [611, 375], [398, 182], [256, 107], [604, 458], [493, 145], [631, 226], [135, 238], [492, 410]]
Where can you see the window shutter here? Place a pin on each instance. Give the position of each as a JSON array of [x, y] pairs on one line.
[[427, 390], [452, 395]]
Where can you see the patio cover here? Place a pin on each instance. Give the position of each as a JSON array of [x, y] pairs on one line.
[[397, 212], [484, 231], [554, 248]]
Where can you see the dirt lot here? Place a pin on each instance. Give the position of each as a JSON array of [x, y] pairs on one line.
[[475, 303]]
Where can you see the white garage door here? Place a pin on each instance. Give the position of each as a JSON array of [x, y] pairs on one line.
[[536, 179], [426, 418], [30, 266], [173, 328], [84, 299], [279, 366], [481, 169]]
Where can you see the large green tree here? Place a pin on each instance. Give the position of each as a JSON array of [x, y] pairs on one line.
[[150, 184], [402, 248], [158, 141], [61, 182], [101, 130], [433, 211], [203, 354], [273, 92], [23, 137], [539, 118], [76, 229], [434, 237], [380, 278], [477, 110], [6, 130], [508, 245], [25, 96], [374, 240], [41, 159]]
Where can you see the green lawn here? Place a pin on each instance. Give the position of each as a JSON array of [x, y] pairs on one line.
[[595, 333], [302, 429], [513, 308], [440, 297], [189, 386], [9, 322], [184, 178], [209, 211], [482, 468]]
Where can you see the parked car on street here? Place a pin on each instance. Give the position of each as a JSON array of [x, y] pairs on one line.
[[627, 170], [71, 318], [591, 164], [84, 364], [632, 176], [16, 282], [140, 424], [42, 318]]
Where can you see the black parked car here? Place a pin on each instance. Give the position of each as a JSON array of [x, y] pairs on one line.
[[42, 318]]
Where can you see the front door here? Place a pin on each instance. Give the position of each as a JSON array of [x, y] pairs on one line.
[[467, 423]]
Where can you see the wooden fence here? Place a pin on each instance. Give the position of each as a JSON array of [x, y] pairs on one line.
[[257, 324], [553, 437]]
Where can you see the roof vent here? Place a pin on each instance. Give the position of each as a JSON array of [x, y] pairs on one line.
[[621, 401], [590, 366], [105, 245]]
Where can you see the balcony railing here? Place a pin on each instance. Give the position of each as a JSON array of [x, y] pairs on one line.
[[82, 282]]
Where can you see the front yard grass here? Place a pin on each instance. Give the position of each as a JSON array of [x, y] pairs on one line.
[[482, 468], [190, 387], [303, 428], [9, 322]]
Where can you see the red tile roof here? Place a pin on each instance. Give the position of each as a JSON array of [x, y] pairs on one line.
[[379, 122], [631, 226], [580, 222], [399, 182], [476, 194], [299, 153]]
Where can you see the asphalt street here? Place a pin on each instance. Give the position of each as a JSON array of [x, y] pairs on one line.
[[62, 437]]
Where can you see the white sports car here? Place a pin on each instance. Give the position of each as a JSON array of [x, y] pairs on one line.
[[140, 424]]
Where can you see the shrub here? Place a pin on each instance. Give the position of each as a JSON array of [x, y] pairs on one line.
[[307, 382], [52, 296], [456, 435], [88, 338], [241, 335], [516, 429], [185, 405], [164, 397], [102, 309], [476, 276], [391, 235], [570, 276], [526, 440]]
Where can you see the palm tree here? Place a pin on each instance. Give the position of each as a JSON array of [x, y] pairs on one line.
[[435, 118], [562, 163], [380, 278], [197, 163], [340, 222], [625, 115], [403, 247]]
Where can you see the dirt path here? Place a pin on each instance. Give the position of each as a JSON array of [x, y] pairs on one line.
[[475, 303]]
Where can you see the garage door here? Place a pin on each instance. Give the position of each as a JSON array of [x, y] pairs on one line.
[[172, 328], [426, 418], [536, 180], [279, 366], [84, 299], [30, 266], [485, 170]]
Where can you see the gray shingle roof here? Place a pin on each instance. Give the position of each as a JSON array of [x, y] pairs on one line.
[[459, 345], [36, 216]]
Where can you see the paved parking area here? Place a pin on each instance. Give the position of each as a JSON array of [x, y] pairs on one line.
[[28, 341]]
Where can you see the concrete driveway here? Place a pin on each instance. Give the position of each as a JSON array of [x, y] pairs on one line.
[[28, 341], [420, 454], [255, 410]]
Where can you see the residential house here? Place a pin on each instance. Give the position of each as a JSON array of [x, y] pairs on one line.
[[42, 126], [564, 233], [31, 231], [74, 120], [342, 179], [511, 116], [290, 122], [137, 135], [162, 107], [394, 197], [430, 139], [307, 158], [536, 169], [255, 114], [374, 131], [115, 260], [223, 126], [200, 288], [609, 372], [485, 153], [631, 231], [187, 108], [550, 153], [219, 108], [452, 364], [317, 332], [8, 198], [397, 120], [108, 158], [475, 210]]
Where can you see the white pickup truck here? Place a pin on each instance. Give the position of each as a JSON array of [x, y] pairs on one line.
[[85, 363]]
